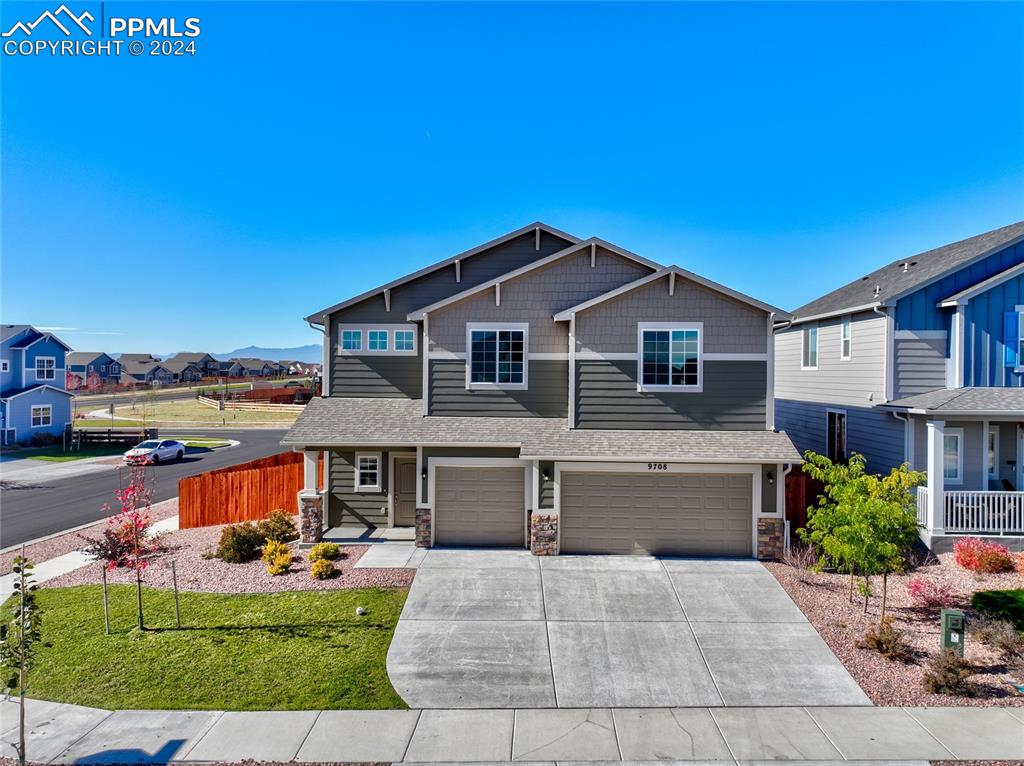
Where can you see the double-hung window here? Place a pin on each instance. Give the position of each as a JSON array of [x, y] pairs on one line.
[[497, 356], [809, 342], [367, 472], [953, 455], [835, 435], [46, 368], [42, 415], [846, 338], [378, 340], [405, 340], [351, 340], [671, 357]]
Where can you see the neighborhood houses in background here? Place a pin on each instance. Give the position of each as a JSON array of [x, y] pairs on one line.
[[34, 404]]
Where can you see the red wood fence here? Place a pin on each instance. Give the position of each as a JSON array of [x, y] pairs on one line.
[[801, 492], [244, 492]]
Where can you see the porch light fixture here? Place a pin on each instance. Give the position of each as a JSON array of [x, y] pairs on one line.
[[423, 473], [546, 474], [771, 478]]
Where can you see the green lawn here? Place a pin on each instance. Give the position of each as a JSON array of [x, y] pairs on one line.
[[1004, 604], [107, 423], [57, 455], [203, 443], [281, 651]]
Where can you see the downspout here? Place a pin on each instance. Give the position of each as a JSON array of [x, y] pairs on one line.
[[907, 431], [325, 366]]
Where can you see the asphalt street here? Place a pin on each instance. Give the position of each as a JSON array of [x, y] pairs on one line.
[[32, 510]]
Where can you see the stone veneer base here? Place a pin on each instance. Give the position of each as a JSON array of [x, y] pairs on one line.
[[423, 528], [544, 534], [770, 533]]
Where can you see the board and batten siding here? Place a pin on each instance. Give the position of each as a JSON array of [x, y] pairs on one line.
[[733, 398], [546, 397], [347, 507], [856, 382], [919, 363], [984, 362], [534, 298], [389, 377]]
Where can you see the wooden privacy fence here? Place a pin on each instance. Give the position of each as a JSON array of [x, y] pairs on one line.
[[801, 492], [243, 492]]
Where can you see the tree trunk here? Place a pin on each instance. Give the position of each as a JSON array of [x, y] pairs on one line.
[[106, 603], [852, 574], [138, 593], [885, 587], [867, 592]]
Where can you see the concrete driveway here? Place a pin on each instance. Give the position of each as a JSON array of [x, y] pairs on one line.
[[502, 628]]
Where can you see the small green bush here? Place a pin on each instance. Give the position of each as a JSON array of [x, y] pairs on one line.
[[324, 552], [277, 556], [239, 543], [279, 526], [889, 641], [949, 673], [321, 569]]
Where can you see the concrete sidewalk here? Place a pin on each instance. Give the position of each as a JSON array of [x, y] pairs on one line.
[[26, 471], [64, 734]]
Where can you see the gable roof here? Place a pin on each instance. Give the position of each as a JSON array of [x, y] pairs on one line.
[[132, 358], [178, 365], [16, 392], [540, 263], [318, 317], [905, 275], [563, 316], [83, 357], [139, 366], [11, 330], [961, 298], [191, 356]]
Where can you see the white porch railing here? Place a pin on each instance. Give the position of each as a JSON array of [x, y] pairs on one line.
[[977, 512]]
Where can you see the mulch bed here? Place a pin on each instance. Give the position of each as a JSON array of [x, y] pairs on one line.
[[196, 572], [823, 598]]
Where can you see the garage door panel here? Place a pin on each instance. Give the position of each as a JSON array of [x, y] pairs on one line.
[[697, 514], [479, 506]]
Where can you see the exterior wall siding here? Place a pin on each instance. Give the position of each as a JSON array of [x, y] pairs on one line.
[[985, 347], [19, 413], [973, 469], [729, 326], [920, 364], [388, 377], [547, 395], [534, 298], [733, 398], [46, 347], [345, 506], [836, 381], [871, 431]]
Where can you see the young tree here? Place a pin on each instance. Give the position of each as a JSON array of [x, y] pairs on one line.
[[19, 638]]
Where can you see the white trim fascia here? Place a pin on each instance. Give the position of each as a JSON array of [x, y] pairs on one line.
[[961, 298], [642, 327], [957, 346], [563, 316], [523, 327], [364, 342], [43, 337], [496, 282], [832, 314], [317, 316], [375, 489], [320, 443]]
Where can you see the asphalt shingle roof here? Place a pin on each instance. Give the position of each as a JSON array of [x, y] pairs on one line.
[[965, 401], [82, 357], [10, 330], [368, 422], [926, 267]]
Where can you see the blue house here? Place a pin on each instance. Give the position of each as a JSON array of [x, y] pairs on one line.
[[34, 401], [86, 367], [921, 362]]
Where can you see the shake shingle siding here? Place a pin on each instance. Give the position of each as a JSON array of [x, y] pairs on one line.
[[920, 364], [377, 376], [547, 395], [733, 398]]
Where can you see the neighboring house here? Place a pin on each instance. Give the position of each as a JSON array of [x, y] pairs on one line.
[[553, 393], [207, 365], [250, 368], [33, 399], [137, 358], [92, 368], [144, 371], [182, 370], [921, 361]]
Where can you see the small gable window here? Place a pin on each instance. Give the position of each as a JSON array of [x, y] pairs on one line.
[[378, 340], [846, 338], [351, 340], [809, 360], [5, 365]]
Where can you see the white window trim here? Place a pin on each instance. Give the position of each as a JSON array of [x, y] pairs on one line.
[[5, 365], [524, 327], [374, 488], [364, 329], [49, 415], [691, 389], [959, 434], [846, 323], [992, 471], [35, 367], [394, 339], [804, 331], [846, 429]]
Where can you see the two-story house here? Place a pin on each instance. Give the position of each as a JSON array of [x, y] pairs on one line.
[[549, 392], [34, 402], [89, 369], [207, 365], [182, 370], [146, 371], [250, 368], [921, 362]]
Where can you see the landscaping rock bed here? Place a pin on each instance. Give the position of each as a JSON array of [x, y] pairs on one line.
[[823, 598], [198, 573]]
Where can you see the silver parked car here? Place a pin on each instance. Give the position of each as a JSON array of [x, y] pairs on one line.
[[153, 451]]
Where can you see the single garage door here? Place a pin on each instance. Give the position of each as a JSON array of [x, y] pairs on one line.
[[479, 506], [684, 514]]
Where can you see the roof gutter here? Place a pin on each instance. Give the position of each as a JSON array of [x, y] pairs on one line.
[[838, 312]]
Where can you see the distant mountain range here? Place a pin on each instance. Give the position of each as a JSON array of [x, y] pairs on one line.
[[311, 353]]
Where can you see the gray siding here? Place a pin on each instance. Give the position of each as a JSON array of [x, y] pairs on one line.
[[769, 496], [920, 365], [534, 298], [729, 326], [835, 381], [546, 397], [547, 488], [872, 432], [350, 508], [975, 463], [377, 376], [429, 453], [733, 398]]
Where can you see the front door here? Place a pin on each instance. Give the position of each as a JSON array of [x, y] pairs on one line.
[[405, 491]]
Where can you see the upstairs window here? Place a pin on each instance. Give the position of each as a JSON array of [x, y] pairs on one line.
[[405, 340], [846, 338], [351, 340], [46, 368], [367, 472], [497, 356], [809, 360], [378, 340], [670, 357]]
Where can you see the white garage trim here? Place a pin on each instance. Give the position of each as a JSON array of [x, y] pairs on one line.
[[488, 462], [642, 468]]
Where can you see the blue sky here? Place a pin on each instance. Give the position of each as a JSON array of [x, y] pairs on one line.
[[311, 151]]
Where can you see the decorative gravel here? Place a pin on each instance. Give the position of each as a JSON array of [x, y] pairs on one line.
[[823, 598], [196, 573], [72, 541]]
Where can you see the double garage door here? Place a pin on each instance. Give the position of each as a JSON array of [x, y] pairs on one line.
[[664, 514]]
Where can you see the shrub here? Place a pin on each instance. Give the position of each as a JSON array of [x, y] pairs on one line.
[[1001, 604], [239, 543], [321, 569], [949, 673], [278, 526], [887, 640], [1001, 636], [324, 552], [929, 593], [277, 556], [1018, 564], [982, 556]]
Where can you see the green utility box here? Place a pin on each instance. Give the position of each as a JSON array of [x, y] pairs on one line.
[[954, 628]]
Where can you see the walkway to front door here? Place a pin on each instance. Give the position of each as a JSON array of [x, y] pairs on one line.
[[502, 628]]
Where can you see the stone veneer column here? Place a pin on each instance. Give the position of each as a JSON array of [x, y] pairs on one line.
[[311, 516], [544, 534], [423, 528], [770, 532]]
